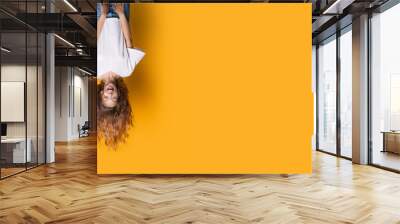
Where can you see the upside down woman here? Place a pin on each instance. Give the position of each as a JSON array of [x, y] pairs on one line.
[[116, 59]]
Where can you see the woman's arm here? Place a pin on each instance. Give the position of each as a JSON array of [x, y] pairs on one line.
[[119, 9], [102, 19]]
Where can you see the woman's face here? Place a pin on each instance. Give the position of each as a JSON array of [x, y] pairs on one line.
[[110, 95]]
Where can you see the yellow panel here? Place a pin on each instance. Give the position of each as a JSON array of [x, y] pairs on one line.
[[223, 88]]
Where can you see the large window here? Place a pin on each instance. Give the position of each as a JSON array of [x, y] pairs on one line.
[[22, 88], [346, 93], [327, 95], [334, 66], [385, 88]]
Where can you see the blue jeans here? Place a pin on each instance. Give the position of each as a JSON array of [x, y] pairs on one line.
[[111, 12]]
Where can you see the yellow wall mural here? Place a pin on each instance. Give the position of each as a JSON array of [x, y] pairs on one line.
[[222, 88]]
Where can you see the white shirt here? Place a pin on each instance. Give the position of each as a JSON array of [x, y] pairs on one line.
[[112, 53]]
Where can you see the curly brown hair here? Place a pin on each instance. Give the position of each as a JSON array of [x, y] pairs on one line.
[[113, 123]]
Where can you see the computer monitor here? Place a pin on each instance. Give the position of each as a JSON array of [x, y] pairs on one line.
[[3, 129]]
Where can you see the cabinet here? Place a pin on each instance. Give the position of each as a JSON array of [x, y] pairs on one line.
[[391, 142]]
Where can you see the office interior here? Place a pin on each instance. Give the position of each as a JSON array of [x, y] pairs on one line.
[[48, 107], [48, 84], [48, 79], [366, 79]]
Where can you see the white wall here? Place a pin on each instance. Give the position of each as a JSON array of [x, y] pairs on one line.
[[71, 102], [16, 73], [61, 103], [12, 73], [80, 96]]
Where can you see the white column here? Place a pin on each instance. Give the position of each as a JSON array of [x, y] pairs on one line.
[[50, 92], [360, 90]]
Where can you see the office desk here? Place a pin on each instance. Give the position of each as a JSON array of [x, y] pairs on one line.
[[13, 150], [391, 141]]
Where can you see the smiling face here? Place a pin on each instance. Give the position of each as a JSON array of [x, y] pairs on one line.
[[114, 112], [109, 95]]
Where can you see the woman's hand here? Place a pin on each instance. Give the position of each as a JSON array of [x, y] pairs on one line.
[[119, 8], [104, 8]]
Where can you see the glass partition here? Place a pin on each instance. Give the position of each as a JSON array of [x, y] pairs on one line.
[[13, 95], [35, 88], [32, 98], [22, 88]]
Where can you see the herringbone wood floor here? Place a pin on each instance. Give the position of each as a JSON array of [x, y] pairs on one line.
[[69, 191]]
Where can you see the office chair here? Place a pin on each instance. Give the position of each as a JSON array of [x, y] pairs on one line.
[[84, 130]]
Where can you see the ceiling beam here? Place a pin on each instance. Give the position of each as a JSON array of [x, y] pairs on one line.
[[81, 61], [320, 22], [84, 24], [337, 6]]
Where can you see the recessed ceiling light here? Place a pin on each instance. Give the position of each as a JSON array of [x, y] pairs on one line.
[[5, 50], [70, 5], [338, 6], [64, 40], [84, 71]]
